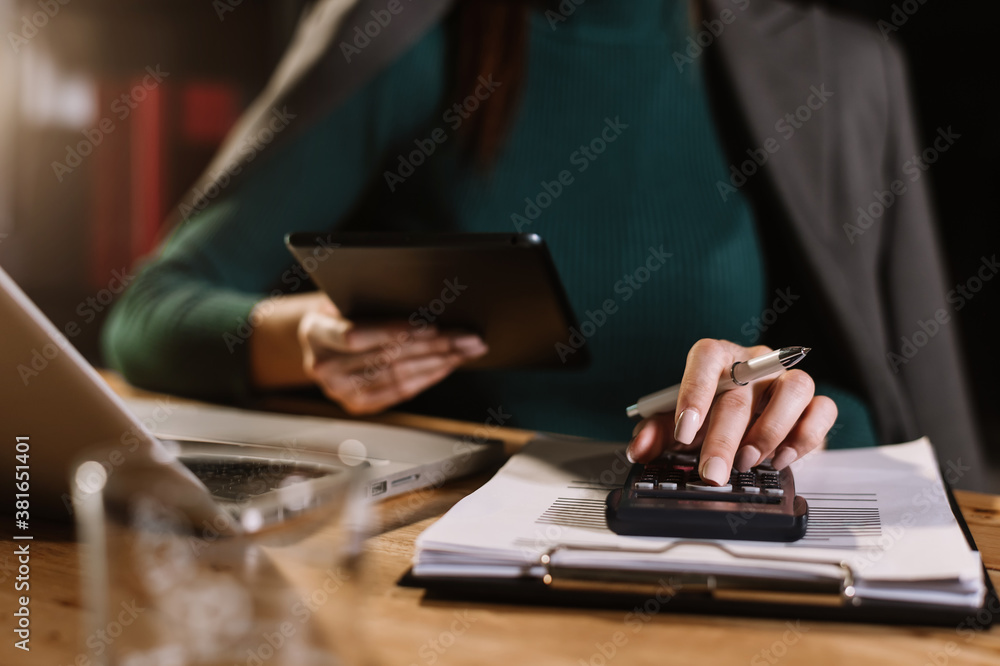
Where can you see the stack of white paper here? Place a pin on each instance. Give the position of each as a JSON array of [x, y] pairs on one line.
[[882, 511]]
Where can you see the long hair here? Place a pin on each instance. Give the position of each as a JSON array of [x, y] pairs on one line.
[[492, 40]]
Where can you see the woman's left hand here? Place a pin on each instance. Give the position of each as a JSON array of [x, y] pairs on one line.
[[778, 416]]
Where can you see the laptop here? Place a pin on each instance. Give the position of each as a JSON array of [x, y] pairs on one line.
[[54, 407]]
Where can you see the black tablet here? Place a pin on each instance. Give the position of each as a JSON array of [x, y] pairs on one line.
[[502, 286]]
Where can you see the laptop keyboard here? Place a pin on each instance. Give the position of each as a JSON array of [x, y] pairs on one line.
[[238, 479]]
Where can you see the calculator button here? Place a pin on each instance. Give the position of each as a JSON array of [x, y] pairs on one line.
[[698, 485], [774, 491], [752, 490], [666, 485], [644, 485]]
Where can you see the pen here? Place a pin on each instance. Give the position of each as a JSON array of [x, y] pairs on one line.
[[740, 374]]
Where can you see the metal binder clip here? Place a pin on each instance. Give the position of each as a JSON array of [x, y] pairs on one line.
[[748, 587]]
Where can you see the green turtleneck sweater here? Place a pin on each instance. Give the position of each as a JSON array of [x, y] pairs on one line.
[[637, 220]]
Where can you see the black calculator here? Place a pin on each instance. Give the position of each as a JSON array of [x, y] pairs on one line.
[[667, 498]]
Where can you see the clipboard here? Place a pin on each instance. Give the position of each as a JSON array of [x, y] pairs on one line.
[[667, 591]]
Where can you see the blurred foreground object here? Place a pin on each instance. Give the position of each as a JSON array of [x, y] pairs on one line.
[[169, 587]]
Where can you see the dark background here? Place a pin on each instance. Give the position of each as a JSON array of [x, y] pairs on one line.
[[949, 46], [45, 228]]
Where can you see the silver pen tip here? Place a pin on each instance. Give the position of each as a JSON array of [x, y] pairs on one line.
[[790, 356]]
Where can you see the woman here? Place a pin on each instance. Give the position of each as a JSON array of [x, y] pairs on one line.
[[642, 103]]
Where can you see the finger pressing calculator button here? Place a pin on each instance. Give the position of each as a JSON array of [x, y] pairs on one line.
[[644, 485], [774, 491], [698, 485]]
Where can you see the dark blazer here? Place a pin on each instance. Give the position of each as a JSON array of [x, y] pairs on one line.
[[880, 279], [880, 285]]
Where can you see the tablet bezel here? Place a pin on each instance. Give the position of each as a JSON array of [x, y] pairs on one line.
[[529, 249]]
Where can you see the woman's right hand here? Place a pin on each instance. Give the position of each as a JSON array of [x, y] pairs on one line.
[[367, 368]]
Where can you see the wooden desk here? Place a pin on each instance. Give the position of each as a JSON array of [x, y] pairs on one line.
[[404, 630]]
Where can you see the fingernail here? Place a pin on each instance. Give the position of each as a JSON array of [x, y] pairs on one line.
[[687, 426], [784, 458], [470, 344], [746, 458], [715, 471], [639, 446]]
